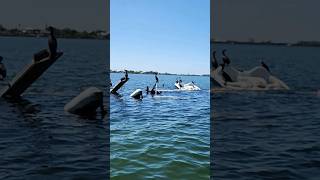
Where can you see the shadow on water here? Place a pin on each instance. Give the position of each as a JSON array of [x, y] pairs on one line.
[[24, 107], [91, 117], [117, 95]]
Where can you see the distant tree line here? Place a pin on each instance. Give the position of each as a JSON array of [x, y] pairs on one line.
[[137, 72], [154, 72], [253, 42], [307, 43], [60, 33]]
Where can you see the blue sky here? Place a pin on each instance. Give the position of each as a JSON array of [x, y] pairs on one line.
[[160, 35]]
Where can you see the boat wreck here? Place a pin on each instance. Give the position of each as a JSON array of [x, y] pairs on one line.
[[120, 83], [86, 103], [186, 87], [258, 78], [25, 78]]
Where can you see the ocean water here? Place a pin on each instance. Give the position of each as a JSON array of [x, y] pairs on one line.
[[161, 137], [269, 134], [38, 140]]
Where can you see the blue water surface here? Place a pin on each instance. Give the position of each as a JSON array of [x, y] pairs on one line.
[[269, 134], [160, 137], [38, 140]]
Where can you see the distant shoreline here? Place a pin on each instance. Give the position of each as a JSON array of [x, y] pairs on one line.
[[152, 73], [66, 33], [269, 43], [46, 37]]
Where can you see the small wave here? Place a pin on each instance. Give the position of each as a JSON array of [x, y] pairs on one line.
[[166, 97]]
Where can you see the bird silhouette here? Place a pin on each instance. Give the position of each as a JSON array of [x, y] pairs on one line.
[[225, 58], [52, 42], [214, 62], [265, 66]]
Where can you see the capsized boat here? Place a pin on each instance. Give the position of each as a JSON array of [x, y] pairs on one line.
[[186, 87], [87, 102], [257, 78], [137, 94]]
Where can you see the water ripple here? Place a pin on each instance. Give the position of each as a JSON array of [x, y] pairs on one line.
[[272, 134], [161, 137]]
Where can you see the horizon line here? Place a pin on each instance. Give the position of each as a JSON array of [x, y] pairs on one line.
[[161, 73]]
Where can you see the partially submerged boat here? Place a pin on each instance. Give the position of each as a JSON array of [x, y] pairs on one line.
[[113, 90], [186, 87], [257, 78], [137, 94], [28, 75], [87, 102]]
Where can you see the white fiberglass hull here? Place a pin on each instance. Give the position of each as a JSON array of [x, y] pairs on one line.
[[258, 78], [187, 87]]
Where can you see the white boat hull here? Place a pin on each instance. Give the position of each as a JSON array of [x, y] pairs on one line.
[[86, 102], [187, 87], [258, 78], [137, 94]]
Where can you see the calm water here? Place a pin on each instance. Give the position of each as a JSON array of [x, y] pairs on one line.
[[160, 137], [37, 138], [274, 134]]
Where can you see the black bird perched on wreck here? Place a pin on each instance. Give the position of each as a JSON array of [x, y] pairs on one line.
[[52, 42], [3, 70], [214, 62], [265, 66], [156, 76], [225, 58], [125, 76]]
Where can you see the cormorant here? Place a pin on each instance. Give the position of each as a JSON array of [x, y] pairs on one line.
[[214, 62], [265, 66], [52, 42], [126, 74], [226, 77], [3, 70], [153, 90], [157, 79], [225, 58]]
